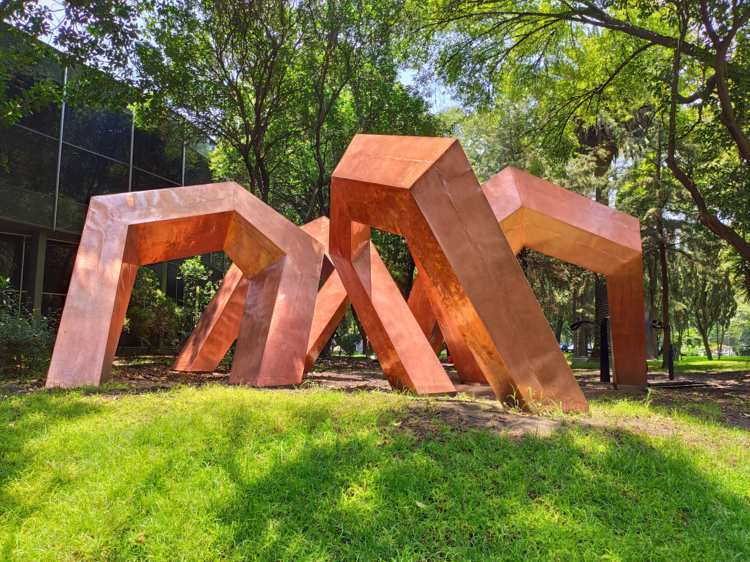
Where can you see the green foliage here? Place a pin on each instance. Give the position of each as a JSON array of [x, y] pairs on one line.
[[93, 39], [152, 317], [282, 87], [26, 340], [197, 293]]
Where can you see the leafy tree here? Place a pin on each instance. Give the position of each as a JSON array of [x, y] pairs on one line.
[[574, 58], [710, 297], [94, 40]]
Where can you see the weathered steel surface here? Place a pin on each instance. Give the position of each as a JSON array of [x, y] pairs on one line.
[[220, 324], [124, 231], [425, 190]]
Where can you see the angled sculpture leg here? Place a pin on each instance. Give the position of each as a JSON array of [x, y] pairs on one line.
[[96, 303], [466, 366], [275, 328], [406, 357], [217, 328], [420, 307], [330, 308], [625, 295]]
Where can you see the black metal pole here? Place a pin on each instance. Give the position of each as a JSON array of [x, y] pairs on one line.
[[604, 358], [670, 362]]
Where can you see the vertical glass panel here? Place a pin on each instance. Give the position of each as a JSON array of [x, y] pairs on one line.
[[58, 266], [143, 181], [197, 170], [32, 160], [83, 175], [71, 216], [46, 120], [99, 130], [11, 258], [29, 207], [158, 153], [52, 305]]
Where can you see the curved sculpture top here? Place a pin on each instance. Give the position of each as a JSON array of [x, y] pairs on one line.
[[126, 230], [546, 218]]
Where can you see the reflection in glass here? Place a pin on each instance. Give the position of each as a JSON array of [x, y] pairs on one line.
[[197, 171], [32, 160], [71, 216], [52, 305], [58, 266], [46, 120], [99, 130], [83, 175], [11, 251], [158, 153], [143, 181], [29, 207]]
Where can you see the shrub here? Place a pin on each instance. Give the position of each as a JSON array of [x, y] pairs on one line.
[[348, 343], [152, 317], [26, 340]]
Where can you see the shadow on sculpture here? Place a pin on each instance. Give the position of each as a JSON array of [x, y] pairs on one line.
[[220, 324], [425, 190], [546, 218], [281, 263]]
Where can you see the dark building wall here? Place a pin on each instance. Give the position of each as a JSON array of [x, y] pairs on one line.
[[52, 163]]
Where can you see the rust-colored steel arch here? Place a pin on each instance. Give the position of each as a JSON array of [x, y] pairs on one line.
[[425, 190], [220, 324], [124, 231], [549, 219]]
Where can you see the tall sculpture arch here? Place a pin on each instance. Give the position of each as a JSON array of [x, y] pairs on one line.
[[124, 231], [425, 190], [220, 324], [546, 218]]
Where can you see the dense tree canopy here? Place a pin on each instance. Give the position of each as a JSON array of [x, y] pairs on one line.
[[643, 106]]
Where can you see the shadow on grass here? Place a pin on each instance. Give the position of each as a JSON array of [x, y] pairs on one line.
[[218, 474], [580, 494]]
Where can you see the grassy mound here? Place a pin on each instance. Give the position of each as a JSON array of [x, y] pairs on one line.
[[223, 473]]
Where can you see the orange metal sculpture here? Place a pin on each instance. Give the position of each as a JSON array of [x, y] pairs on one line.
[[546, 218], [124, 231], [220, 324], [425, 190]]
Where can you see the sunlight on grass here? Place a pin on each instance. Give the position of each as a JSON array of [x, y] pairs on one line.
[[223, 473]]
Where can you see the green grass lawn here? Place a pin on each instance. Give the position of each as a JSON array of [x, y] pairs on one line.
[[226, 473]]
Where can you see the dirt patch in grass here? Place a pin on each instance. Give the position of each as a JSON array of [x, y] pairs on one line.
[[725, 398]]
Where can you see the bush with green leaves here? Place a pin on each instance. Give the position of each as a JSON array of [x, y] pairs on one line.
[[26, 339], [348, 342], [152, 317]]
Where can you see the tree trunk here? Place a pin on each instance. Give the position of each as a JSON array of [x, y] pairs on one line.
[[664, 293], [652, 305], [558, 328], [576, 339], [706, 344]]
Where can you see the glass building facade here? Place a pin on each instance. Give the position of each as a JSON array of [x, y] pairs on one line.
[[52, 163]]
